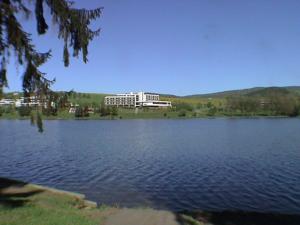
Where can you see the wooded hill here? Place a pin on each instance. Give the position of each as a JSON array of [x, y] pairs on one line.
[[258, 101]]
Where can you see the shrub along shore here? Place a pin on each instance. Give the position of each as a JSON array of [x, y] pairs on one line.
[[141, 115], [255, 102]]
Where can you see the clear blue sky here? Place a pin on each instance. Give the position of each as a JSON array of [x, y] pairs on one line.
[[181, 47]]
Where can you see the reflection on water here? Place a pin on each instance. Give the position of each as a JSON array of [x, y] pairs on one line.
[[210, 164]]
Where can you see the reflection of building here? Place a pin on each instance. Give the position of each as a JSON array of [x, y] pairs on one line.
[[140, 99]]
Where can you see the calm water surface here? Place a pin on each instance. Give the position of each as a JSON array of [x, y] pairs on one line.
[[209, 164]]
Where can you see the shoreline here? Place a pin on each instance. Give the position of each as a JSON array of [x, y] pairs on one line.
[[54, 206], [155, 118]]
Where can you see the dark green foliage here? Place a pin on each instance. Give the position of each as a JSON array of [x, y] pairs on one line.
[[82, 112], [209, 105], [66, 56], [165, 114], [36, 119], [284, 105], [270, 91], [274, 103], [199, 105], [9, 109], [39, 13], [243, 104], [104, 111], [182, 113], [183, 106], [39, 122], [24, 111], [62, 100], [49, 111], [3, 79], [78, 112], [114, 111], [108, 111], [86, 111], [73, 29], [1, 111], [212, 111]]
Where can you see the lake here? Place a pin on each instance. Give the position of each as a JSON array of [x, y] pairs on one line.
[[208, 164]]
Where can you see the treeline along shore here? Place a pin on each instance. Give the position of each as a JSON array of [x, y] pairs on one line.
[[254, 102]]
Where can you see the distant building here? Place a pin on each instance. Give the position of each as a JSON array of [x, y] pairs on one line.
[[139, 99], [73, 108], [264, 102], [7, 102], [25, 101]]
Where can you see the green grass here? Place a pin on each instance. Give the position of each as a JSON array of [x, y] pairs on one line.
[[87, 99], [48, 209], [196, 106]]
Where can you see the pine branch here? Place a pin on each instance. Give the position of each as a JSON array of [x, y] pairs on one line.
[[73, 28]]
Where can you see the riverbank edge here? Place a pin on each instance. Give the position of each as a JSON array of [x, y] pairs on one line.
[[79, 196], [18, 189], [195, 217], [152, 118]]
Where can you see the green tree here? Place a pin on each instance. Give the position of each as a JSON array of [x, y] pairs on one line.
[[79, 112], [182, 113], [212, 111], [114, 111], [199, 105], [24, 111], [209, 105], [104, 111], [183, 106], [73, 29]]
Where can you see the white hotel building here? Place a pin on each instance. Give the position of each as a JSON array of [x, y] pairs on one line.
[[139, 99]]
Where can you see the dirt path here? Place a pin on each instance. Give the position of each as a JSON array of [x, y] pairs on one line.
[[142, 217]]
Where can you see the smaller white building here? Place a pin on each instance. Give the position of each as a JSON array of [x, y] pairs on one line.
[[139, 99], [7, 102], [24, 101]]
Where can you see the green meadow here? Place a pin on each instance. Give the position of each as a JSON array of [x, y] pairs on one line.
[[273, 101]]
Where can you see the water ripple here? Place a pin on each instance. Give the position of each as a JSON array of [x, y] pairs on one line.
[[204, 164]]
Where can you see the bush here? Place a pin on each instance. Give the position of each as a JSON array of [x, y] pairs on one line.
[[104, 111], [9, 109], [24, 111], [212, 111], [114, 111], [209, 105], [183, 106], [82, 112], [49, 111], [182, 113], [78, 112], [199, 105]]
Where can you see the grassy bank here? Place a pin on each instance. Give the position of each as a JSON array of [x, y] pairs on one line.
[[256, 102], [145, 114], [25, 204], [22, 203]]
